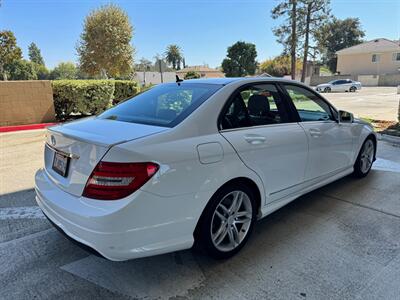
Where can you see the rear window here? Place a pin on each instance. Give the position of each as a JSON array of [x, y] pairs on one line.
[[164, 105]]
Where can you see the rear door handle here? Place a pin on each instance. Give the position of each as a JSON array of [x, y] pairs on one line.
[[254, 139], [315, 132]]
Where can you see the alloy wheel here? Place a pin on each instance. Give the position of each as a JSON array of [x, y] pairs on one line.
[[367, 156], [231, 221]]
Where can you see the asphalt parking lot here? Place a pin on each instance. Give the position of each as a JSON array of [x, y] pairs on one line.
[[338, 242], [379, 103]]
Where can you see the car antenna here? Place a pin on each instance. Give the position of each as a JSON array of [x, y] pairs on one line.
[[178, 80]]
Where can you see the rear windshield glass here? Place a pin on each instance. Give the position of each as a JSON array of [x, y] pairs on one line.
[[164, 105]]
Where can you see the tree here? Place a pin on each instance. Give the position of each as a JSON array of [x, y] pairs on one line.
[[104, 47], [279, 66], [144, 64], [192, 75], [9, 51], [64, 70], [314, 14], [34, 54], [336, 35], [41, 71], [21, 70], [287, 32], [173, 55], [241, 60]]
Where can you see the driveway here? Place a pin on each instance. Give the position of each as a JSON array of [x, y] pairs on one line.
[[379, 103], [338, 242]]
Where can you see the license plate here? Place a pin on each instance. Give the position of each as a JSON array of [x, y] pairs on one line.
[[60, 164]]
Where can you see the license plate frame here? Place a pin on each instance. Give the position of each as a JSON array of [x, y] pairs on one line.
[[60, 163]]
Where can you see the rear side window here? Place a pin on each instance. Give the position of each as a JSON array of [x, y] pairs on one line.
[[164, 105], [255, 105], [308, 105]]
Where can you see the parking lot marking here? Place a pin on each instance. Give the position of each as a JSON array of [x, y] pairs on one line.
[[386, 165], [24, 212], [158, 277]]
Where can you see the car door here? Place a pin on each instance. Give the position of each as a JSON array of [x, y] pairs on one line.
[[348, 84], [330, 143], [337, 86], [256, 122]]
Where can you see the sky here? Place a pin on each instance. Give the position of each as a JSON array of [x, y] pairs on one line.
[[202, 28]]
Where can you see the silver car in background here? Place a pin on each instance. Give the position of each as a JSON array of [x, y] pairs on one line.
[[340, 85]]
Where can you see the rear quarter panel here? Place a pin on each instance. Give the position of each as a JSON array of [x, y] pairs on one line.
[[181, 171]]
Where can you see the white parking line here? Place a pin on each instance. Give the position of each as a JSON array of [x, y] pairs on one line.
[[158, 277], [24, 212], [386, 165]]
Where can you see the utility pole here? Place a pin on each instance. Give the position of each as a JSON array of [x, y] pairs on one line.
[[159, 64]]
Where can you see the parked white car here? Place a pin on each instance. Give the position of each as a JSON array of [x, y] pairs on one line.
[[195, 162], [340, 85]]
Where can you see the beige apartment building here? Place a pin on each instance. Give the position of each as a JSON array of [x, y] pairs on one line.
[[377, 57]]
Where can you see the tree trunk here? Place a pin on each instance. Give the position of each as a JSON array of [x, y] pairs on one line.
[[293, 40], [306, 41], [3, 73]]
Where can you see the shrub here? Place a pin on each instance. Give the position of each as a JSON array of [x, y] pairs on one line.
[[64, 70], [82, 96], [89, 97], [192, 75], [146, 87], [124, 89], [279, 66]]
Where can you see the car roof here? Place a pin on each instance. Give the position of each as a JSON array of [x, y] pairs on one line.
[[228, 80]]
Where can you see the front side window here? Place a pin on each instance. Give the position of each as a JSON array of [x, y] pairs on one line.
[[255, 105], [164, 105], [308, 105]]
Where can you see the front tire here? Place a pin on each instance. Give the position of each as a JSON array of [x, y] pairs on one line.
[[327, 90], [353, 89], [227, 221], [365, 159]]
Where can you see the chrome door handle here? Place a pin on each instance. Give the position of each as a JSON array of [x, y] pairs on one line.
[[255, 139], [315, 132]]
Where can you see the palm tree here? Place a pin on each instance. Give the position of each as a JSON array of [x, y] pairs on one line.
[[173, 55]]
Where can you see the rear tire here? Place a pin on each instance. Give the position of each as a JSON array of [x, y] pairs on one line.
[[365, 159], [227, 221]]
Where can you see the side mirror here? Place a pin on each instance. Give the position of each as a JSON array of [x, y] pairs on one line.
[[345, 117]]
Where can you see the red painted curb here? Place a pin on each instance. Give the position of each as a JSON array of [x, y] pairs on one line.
[[25, 127]]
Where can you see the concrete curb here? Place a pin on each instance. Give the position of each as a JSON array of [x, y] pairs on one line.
[[389, 138]]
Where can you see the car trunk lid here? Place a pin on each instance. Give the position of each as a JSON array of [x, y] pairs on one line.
[[85, 143]]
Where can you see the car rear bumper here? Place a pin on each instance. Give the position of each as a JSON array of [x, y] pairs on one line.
[[137, 226]]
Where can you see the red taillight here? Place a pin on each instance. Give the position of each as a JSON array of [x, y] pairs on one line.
[[111, 181]]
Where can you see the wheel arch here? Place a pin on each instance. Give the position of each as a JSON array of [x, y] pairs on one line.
[[242, 180], [374, 140]]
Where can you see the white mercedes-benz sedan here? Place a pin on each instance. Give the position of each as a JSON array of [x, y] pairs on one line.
[[341, 85], [195, 162]]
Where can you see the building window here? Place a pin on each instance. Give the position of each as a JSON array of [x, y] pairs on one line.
[[396, 56], [375, 58]]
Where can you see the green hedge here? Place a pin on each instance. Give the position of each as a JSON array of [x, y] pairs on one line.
[[124, 89], [89, 97]]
